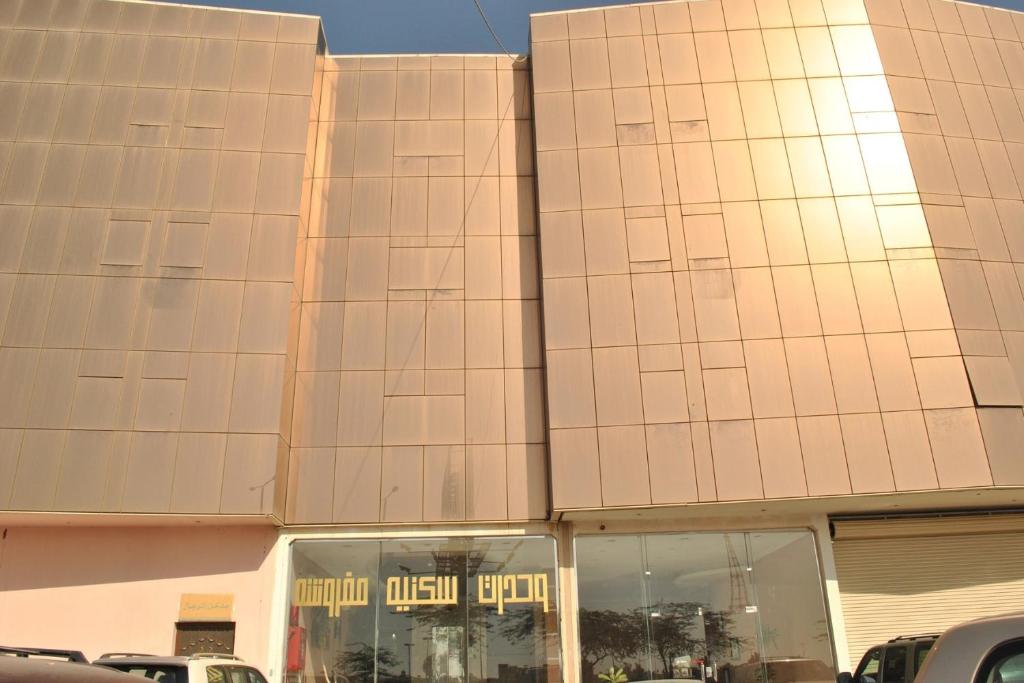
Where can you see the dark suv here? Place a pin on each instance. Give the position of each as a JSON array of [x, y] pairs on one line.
[[897, 661]]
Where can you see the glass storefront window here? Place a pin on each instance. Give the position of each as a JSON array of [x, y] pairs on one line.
[[723, 607], [459, 610]]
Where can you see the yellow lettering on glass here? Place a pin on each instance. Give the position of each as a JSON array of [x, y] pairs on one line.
[[405, 592], [334, 594], [512, 589]]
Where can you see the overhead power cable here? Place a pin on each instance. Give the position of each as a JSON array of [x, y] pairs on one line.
[[494, 35]]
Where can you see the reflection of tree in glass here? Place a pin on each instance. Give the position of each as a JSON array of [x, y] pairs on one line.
[[521, 624], [719, 639], [462, 565], [358, 665], [608, 634], [480, 627], [674, 633], [516, 624]]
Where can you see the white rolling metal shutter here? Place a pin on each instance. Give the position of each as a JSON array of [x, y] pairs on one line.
[[917, 576]]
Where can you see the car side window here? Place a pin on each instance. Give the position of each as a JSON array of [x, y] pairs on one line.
[[1005, 664], [215, 674], [894, 665], [869, 666], [255, 676], [237, 674], [920, 652]]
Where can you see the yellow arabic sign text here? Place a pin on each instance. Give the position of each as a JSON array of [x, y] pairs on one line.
[[504, 589], [406, 592], [332, 593]]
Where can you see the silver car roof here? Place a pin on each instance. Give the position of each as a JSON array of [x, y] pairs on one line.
[[958, 652], [17, 669]]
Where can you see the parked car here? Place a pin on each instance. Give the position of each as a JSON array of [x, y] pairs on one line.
[[198, 668], [989, 650], [44, 653], [896, 661], [20, 669]]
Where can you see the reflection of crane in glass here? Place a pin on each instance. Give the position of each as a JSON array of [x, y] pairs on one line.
[[738, 598]]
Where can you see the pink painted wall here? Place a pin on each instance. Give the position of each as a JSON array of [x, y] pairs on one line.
[[118, 589]]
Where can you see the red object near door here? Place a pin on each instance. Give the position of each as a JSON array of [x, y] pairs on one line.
[[296, 649]]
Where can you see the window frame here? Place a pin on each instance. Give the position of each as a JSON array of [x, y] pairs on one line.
[[254, 674], [907, 664], [231, 670], [918, 661], [292, 543], [1009, 647], [597, 530], [864, 663]]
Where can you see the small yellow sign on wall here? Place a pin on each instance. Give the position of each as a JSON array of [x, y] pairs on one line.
[[206, 607]]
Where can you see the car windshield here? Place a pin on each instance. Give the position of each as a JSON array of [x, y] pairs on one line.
[[165, 673]]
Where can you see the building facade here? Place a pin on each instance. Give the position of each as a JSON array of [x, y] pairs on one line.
[[687, 345]]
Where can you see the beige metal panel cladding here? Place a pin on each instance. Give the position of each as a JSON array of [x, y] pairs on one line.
[[911, 578], [755, 174], [419, 392], [954, 95], [151, 197]]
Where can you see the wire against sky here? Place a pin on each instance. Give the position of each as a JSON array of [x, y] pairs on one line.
[[431, 26], [490, 28]]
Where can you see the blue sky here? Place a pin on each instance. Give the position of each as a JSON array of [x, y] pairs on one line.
[[387, 26]]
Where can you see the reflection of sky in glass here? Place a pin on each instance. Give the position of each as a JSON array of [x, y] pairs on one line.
[[704, 554]]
